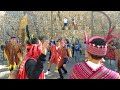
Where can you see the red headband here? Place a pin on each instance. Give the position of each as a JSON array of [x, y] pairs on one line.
[[96, 50], [99, 50], [35, 50]]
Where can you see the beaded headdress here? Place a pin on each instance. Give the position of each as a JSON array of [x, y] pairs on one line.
[[99, 50]]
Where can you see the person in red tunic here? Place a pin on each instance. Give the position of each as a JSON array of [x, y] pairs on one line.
[[57, 57], [13, 53], [117, 55], [63, 58], [52, 59], [111, 51], [51, 45], [93, 68], [110, 55]]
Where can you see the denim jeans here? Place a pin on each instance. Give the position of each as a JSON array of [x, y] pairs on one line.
[[77, 55], [111, 64], [65, 60], [65, 24]]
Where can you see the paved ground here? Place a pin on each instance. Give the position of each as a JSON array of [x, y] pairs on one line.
[[54, 75], [69, 66], [3, 70]]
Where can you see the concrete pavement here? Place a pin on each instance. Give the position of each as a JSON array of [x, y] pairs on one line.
[[54, 75]]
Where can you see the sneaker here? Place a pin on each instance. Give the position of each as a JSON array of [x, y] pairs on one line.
[[47, 73], [56, 71], [60, 78], [65, 72], [64, 65]]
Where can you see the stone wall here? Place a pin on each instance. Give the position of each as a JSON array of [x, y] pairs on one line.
[[39, 23]]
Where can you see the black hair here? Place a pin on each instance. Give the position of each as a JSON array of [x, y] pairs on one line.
[[28, 42], [67, 40], [58, 40], [96, 56], [13, 37], [54, 42], [34, 41], [40, 38], [100, 42]]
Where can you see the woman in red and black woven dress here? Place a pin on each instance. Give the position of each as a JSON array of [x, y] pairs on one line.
[[110, 55]]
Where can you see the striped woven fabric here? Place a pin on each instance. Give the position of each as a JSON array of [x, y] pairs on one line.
[[83, 71], [101, 51]]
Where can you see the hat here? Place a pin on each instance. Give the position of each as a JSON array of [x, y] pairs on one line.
[[99, 50], [12, 37]]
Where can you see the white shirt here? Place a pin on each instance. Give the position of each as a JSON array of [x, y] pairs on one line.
[[65, 20], [74, 21], [93, 66], [57, 47]]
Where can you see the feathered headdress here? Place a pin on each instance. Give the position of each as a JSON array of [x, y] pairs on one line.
[[99, 50], [23, 29]]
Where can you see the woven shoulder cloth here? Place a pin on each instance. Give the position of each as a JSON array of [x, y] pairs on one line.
[[104, 73], [83, 71]]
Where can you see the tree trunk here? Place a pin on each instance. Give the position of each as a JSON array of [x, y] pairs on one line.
[[92, 23]]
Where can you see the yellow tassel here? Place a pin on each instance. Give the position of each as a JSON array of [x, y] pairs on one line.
[[10, 67], [6, 56], [14, 65], [56, 67], [20, 61]]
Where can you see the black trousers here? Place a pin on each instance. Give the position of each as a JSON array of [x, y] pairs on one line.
[[73, 52], [60, 72]]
